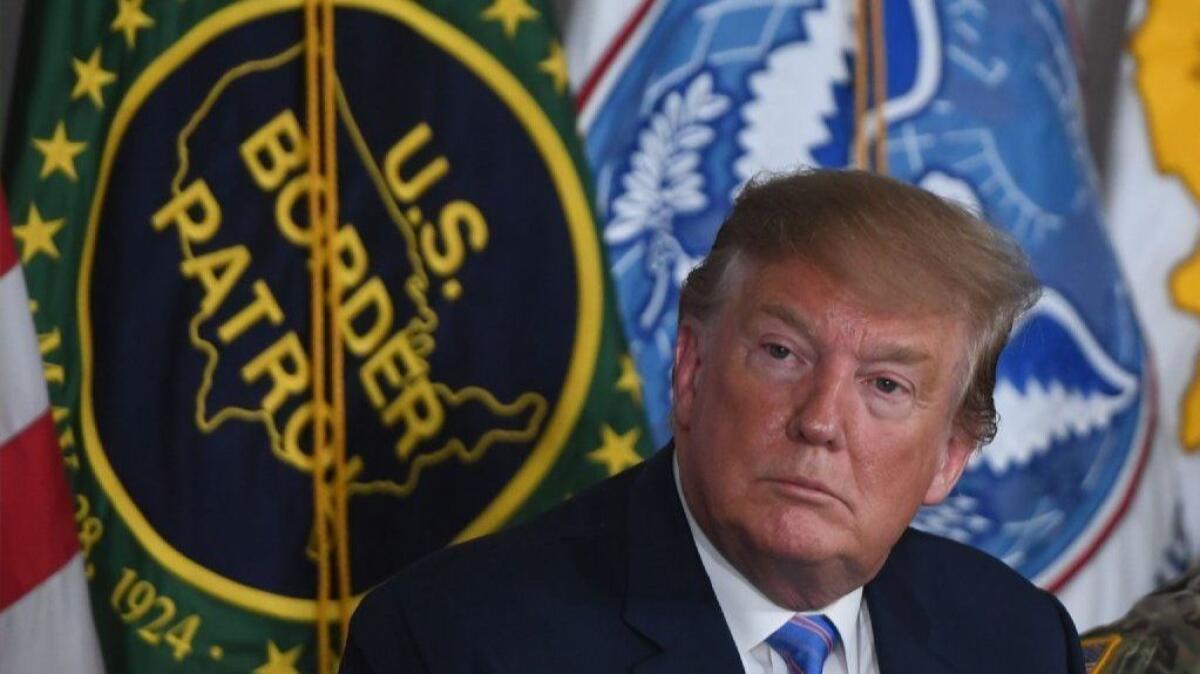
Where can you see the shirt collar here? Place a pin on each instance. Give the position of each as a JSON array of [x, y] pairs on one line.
[[750, 614]]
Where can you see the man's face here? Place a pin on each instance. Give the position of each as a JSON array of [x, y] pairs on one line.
[[810, 426]]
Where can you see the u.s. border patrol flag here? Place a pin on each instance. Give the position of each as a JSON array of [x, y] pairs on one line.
[[157, 168], [685, 101]]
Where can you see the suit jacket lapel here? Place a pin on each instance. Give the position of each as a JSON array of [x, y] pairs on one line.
[[907, 635], [669, 598]]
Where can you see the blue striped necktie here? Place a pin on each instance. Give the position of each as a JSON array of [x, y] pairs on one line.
[[804, 642]]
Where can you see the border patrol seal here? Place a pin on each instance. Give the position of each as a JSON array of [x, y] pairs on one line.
[[471, 303]]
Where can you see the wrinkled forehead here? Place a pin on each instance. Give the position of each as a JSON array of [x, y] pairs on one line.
[[876, 285], [880, 322]]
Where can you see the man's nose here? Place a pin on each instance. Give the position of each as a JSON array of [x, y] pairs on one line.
[[816, 418]]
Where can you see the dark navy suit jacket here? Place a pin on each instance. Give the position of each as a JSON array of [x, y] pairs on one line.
[[611, 582]]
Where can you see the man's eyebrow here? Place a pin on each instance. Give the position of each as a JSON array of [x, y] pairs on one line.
[[791, 318], [891, 353], [898, 353]]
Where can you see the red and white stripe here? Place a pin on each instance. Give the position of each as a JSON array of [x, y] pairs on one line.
[[600, 36], [45, 613]]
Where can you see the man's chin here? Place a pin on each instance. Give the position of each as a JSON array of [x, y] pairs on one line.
[[803, 544], [805, 575]]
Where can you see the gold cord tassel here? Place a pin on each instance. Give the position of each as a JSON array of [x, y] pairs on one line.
[[859, 145], [870, 86], [329, 449], [341, 526], [879, 59]]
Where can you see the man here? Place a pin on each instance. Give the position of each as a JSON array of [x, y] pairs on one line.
[[833, 371], [1159, 635]]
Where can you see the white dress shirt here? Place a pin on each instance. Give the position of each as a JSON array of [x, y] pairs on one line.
[[752, 617]]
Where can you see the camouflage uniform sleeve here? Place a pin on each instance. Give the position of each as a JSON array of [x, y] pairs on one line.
[[1159, 635]]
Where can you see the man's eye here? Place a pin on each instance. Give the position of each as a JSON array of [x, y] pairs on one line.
[[886, 385], [778, 352]]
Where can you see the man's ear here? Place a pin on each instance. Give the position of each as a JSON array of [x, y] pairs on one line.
[[685, 373], [954, 457]]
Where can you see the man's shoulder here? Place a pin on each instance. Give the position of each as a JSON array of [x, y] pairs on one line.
[[557, 575], [521, 559], [1159, 633], [979, 609], [938, 556], [949, 570]]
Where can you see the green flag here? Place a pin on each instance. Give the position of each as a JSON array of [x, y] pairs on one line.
[[156, 163]]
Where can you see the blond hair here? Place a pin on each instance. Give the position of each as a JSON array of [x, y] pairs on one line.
[[893, 245]]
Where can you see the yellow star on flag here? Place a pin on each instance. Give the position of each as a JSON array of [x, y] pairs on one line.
[[555, 66], [510, 13], [59, 152], [130, 19], [616, 451], [37, 235], [90, 79], [279, 662], [629, 381]]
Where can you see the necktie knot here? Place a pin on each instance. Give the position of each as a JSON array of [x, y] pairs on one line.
[[804, 642]]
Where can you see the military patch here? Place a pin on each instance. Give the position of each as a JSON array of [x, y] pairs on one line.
[[1098, 652], [195, 303]]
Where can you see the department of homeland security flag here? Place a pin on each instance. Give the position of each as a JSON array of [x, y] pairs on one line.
[[691, 99], [157, 167]]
